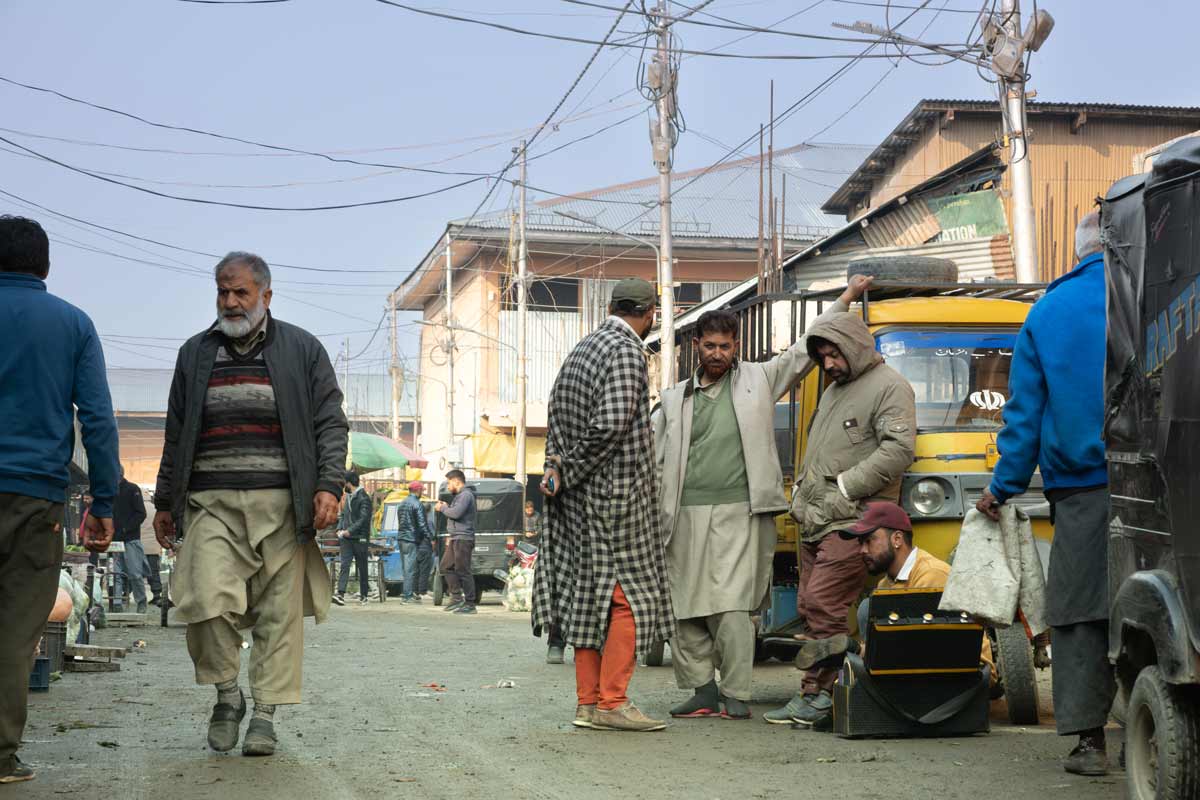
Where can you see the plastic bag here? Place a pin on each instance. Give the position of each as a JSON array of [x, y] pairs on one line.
[[996, 569], [518, 593]]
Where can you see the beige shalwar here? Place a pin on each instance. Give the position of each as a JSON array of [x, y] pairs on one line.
[[719, 564], [239, 567]]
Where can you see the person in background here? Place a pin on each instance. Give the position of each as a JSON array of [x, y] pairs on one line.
[[153, 552], [413, 530], [861, 441], [129, 512], [722, 488], [51, 372], [255, 453], [424, 565], [601, 578], [355, 538], [533, 524], [460, 544], [1053, 419]]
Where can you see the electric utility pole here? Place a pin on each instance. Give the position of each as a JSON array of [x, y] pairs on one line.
[[662, 82], [521, 473], [1003, 51], [450, 445], [395, 371]]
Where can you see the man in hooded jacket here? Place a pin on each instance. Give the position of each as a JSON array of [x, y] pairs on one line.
[[859, 446]]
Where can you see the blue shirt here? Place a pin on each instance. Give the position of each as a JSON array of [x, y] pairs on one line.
[[51, 363], [1055, 412]]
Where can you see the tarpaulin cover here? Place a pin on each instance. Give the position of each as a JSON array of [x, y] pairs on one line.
[[1152, 382]]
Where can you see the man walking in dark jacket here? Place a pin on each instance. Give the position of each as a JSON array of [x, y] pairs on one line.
[[255, 453], [1053, 419], [354, 532], [413, 530], [129, 512], [51, 364], [460, 544]]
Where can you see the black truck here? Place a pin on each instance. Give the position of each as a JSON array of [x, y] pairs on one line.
[[1151, 229]]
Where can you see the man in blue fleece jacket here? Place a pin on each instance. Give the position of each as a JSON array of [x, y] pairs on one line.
[[1053, 420], [50, 364]]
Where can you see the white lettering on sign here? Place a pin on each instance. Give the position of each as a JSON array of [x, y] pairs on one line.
[[988, 400], [961, 233]]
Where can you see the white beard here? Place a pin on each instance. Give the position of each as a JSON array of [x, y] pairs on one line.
[[240, 327]]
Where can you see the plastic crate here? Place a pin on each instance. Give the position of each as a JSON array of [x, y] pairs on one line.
[[53, 642], [39, 679]]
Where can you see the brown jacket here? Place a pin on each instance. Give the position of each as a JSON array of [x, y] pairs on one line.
[[864, 431]]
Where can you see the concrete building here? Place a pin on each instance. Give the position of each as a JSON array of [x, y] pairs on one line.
[[1078, 150], [573, 265]]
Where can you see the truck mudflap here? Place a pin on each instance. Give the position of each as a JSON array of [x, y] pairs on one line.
[[1147, 606]]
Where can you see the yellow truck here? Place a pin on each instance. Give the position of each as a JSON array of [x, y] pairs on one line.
[[953, 342]]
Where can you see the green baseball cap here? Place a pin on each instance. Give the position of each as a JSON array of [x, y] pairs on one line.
[[635, 290]]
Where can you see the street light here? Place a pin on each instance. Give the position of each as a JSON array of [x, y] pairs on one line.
[[666, 351]]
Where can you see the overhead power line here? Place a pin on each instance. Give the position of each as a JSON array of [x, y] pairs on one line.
[[580, 40]]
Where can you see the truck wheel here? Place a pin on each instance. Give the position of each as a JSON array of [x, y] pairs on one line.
[[906, 268], [1014, 660], [439, 588], [654, 658], [1162, 740]]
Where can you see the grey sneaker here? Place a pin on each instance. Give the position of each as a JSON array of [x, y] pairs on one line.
[[817, 710], [789, 713], [555, 655], [339, 599], [465, 609], [584, 717], [260, 738], [814, 651], [19, 773], [225, 724], [454, 606], [625, 718]]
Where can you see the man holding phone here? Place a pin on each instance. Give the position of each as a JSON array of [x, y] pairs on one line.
[[51, 364], [601, 577]]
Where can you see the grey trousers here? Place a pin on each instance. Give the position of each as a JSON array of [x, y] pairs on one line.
[[725, 642], [1083, 681], [31, 547]]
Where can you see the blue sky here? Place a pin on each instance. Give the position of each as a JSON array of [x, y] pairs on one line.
[[358, 75]]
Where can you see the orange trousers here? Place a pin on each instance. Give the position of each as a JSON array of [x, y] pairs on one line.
[[602, 676]]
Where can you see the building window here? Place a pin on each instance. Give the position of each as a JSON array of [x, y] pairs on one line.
[[688, 295], [545, 294]]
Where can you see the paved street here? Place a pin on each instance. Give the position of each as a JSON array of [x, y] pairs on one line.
[[372, 727]]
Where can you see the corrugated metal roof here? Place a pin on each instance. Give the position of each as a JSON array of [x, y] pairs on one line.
[[720, 203], [882, 157], [145, 391]]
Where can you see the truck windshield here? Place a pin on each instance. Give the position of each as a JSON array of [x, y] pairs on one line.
[[960, 377]]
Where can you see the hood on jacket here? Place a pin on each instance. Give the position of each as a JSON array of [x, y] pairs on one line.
[[851, 336]]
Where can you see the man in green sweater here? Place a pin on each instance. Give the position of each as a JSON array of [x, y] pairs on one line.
[[722, 487]]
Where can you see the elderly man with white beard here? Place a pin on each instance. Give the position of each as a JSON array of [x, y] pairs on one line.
[[254, 462]]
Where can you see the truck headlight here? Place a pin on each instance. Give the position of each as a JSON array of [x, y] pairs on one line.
[[928, 496]]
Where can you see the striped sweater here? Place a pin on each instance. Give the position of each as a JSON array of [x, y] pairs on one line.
[[241, 441]]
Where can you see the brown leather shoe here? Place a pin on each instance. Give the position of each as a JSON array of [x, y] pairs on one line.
[[584, 717], [625, 718]]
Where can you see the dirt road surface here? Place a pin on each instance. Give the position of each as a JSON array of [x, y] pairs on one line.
[[372, 726]]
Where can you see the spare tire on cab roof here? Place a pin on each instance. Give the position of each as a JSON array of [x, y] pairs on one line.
[[925, 269]]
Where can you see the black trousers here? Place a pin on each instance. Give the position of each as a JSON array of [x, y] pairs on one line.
[[456, 565], [354, 550], [424, 566], [1082, 677]]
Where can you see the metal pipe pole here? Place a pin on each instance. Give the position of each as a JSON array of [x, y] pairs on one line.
[[1025, 254], [450, 452], [346, 398], [395, 370], [520, 472], [666, 275]]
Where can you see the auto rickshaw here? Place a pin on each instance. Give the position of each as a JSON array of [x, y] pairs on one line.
[[1152, 434], [953, 342], [499, 525]]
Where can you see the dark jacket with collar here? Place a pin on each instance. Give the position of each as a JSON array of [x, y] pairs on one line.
[[357, 515], [129, 512], [307, 398], [411, 524], [460, 514]]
